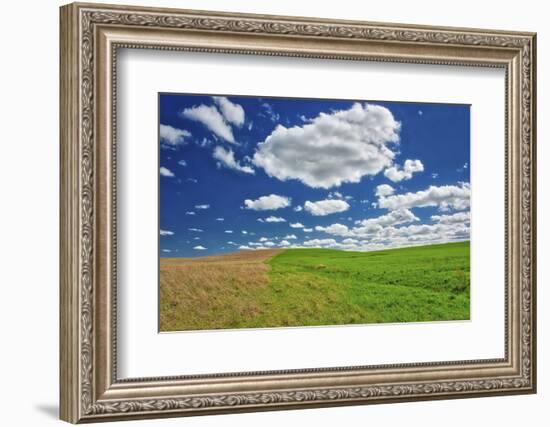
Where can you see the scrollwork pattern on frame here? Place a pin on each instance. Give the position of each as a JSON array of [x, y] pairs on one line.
[[90, 18]]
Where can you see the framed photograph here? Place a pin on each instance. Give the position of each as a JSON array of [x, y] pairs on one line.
[[266, 212]]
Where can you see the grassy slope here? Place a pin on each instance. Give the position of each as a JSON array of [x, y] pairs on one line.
[[306, 287], [321, 286]]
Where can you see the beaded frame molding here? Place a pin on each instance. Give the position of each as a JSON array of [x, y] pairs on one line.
[[90, 37]]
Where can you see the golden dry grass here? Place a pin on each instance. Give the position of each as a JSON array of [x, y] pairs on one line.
[[212, 292]]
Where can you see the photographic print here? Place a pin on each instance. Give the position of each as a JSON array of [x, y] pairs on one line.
[[294, 212]]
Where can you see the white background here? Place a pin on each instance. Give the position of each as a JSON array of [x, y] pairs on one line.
[[145, 353], [29, 170]]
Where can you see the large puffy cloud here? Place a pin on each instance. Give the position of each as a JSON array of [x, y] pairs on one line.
[[397, 174], [445, 197], [326, 207], [210, 117], [265, 203], [331, 149], [232, 112], [171, 137], [227, 158]]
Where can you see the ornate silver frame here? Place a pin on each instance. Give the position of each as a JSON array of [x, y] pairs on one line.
[[90, 36]]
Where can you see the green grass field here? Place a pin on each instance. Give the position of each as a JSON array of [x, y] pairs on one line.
[[323, 286], [306, 287]]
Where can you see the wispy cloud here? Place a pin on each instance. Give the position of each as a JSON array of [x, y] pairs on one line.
[[226, 158], [210, 117], [171, 137], [233, 113]]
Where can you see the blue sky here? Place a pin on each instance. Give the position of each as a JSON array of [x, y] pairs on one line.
[[244, 173]]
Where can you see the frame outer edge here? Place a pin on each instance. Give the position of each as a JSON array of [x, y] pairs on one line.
[[77, 339], [534, 270], [69, 354]]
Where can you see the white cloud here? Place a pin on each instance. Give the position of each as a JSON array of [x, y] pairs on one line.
[[166, 172], [326, 207], [189, 213], [320, 242], [271, 114], [202, 207], [244, 231], [335, 229], [245, 248], [298, 209], [457, 218], [269, 244], [220, 219], [210, 117], [196, 230], [199, 248], [445, 197], [166, 250], [284, 243], [274, 219], [350, 241], [307, 230], [290, 237], [166, 232], [396, 217], [171, 137], [297, 225], [342, 146], [228, 231], [383, 191], [182, 163], [233, 113], [389, 237], [396, 174], [371, 226], [264, 203], [227, 158], [263, 239]]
